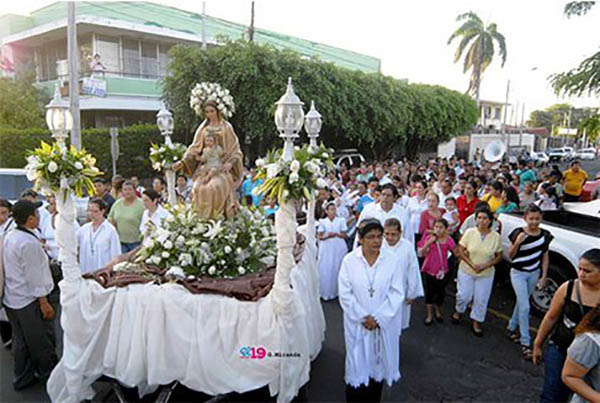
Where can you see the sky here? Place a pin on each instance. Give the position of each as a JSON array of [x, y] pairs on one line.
[[410, 38]]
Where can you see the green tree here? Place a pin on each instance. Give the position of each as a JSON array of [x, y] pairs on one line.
[[591, 128], [21, 104], [585, 78], [559, 115], [368, 111], [479, 39]]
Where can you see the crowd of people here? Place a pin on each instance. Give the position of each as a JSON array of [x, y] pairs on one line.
[[393, 232], [388, 233]]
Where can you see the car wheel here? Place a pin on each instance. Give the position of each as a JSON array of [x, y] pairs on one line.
[[540, 299]]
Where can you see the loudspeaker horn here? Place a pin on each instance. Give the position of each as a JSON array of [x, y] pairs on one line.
[[494, 151]]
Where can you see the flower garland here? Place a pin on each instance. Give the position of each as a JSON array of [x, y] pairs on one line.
[[48, 165], [204, 92], [190, 246], [295, 179], [164, 156]]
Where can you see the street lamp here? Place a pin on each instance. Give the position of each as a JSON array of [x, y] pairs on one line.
[[165, 123], [58, 118], [289, 117], [312, 125]]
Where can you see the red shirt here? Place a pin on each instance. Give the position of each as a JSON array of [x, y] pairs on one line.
[[465, 209]]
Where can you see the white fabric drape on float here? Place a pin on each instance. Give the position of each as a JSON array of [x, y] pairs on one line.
[[147, 335]]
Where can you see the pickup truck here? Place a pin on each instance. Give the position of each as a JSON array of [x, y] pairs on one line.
[[575, 232]]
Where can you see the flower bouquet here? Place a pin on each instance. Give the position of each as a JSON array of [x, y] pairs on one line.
[[295, 179], [164, 156], [50, 166], [204, 92], [191, 247]]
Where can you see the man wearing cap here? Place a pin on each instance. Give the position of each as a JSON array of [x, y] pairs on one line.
[[27, 284], [32, 196]]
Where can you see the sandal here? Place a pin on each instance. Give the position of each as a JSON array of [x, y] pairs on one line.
[[439, 318], [514, 336], [477, 332], [428, 322], [455, 318], [527, 353]]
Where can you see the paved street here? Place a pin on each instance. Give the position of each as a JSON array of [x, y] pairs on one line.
[[439, 363]]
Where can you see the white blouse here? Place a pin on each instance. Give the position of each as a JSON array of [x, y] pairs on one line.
[[97, 248]]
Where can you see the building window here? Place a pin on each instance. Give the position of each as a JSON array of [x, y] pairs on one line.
[[497, 113], [131, 58], [108, 49], [149, 60], [487, 112], [163, 60]]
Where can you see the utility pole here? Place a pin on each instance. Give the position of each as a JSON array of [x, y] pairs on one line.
[[504, 136], [204, 25], [251, 29], [521, 125], [73, 76]]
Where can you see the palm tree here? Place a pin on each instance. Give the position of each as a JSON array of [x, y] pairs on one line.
[[480, 42]]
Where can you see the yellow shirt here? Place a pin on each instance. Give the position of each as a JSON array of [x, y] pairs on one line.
[[480, 251], [574, 181], [493, 201]]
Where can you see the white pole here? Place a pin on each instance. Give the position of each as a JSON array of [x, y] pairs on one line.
[[73, 76]]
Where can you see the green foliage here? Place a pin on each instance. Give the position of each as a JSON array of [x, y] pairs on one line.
[[586, 77], [479, 40], [591, 127], [578, 8], [372, 112], [559, 115], [21, 104], [134, 145]]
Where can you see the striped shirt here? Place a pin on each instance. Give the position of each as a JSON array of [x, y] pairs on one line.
[[531, 251]]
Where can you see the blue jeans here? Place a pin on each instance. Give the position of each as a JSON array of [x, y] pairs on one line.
[[523, 283], [128, 247], [554, 389]]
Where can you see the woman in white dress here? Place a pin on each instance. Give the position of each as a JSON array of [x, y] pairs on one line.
[[98, 240], [407, 263], [371, 296], [154, 213], [332, 249]]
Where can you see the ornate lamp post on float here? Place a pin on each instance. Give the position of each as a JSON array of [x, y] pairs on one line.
[[312, 125], [289, 117], [165, 123], [59, 118]]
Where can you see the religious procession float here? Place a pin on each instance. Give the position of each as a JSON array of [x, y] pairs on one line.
[[216, 298]]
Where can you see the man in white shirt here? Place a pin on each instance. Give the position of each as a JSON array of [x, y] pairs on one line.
[[32, 196], [445, 192], [388, 208], [28, 282], [6, 224]]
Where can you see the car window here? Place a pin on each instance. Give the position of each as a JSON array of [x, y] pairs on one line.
[[13, 185]]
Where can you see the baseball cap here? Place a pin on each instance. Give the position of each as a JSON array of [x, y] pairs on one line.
[[23, 209]]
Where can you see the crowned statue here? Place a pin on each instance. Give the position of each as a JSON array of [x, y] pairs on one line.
[[214, 160]]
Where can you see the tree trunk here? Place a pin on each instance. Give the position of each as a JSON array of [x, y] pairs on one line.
[[478, 71]]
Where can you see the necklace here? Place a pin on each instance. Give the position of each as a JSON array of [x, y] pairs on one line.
[[369, 279], [93, 239]]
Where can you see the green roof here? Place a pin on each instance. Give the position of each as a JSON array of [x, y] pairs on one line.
[[184, 21]]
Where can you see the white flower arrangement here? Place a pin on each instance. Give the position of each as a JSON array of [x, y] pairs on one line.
[[51, 166], [204, 92], [164, 156], [214, 248], [296, 179]]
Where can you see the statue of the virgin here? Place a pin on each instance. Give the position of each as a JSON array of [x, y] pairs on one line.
[[214, 162]]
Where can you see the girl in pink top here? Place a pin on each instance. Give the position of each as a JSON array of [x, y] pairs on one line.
[[432, 213], [435, 247]]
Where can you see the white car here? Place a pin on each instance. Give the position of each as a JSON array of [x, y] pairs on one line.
[[12, 183], [575, 231], [586, 154], [561, 154], [540, 158]]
